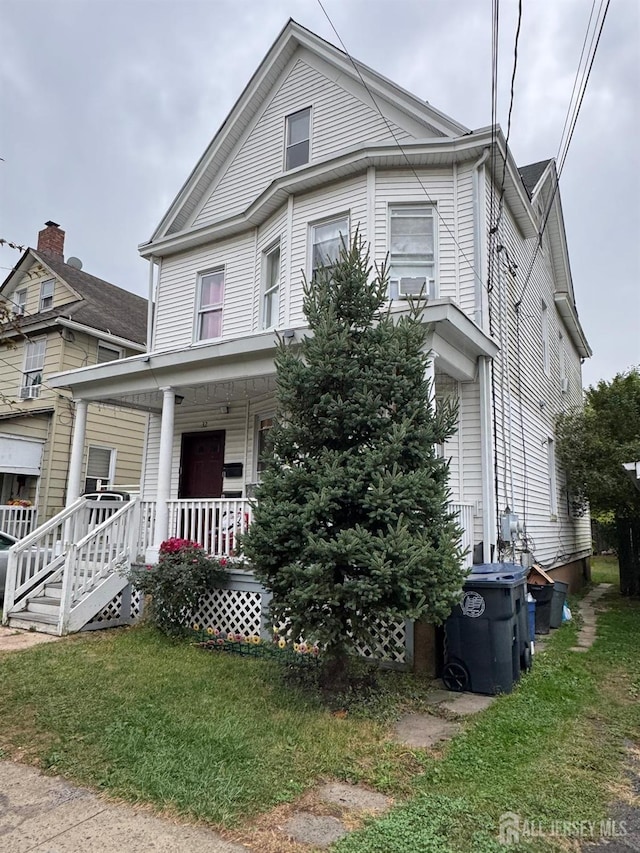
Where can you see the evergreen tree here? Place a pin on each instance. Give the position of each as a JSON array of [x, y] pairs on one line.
[[351, 525]]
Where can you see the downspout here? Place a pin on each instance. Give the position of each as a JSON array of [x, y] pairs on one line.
[[478, 254], [152, 265]]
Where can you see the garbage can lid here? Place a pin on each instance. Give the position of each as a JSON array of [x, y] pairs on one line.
[[499, 568]]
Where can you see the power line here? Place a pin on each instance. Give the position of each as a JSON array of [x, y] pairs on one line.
[[574, 112], [400, 148]]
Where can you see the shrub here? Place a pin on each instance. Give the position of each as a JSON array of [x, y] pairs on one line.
[[183, 575]]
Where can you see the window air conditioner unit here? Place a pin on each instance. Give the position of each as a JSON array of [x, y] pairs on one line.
[[29, 392], [18, 310], [564, 385], [414, 286]]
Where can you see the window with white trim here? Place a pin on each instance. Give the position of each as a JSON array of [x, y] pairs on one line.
[[210, 303], [271, 293], [553, 483], [20, 301], [33, 368], [327, 238], [107, 353], [546, 358], [264, 424], [297, 139], [412, 258], [100, 468], [46, 294]]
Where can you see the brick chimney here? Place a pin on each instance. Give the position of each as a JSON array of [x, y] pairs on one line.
[[51, 240]]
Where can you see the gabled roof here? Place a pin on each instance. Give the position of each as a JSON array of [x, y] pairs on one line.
[[531, 174], [100, 305], [258, 89]]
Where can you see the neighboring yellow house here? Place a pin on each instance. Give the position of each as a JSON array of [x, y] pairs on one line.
[[61, 318]]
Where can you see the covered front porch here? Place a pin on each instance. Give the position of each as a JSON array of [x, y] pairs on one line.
[[211, 406]]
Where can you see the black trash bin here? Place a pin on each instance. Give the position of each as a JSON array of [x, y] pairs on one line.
[[560, 589], [543, 594], [486, 636]]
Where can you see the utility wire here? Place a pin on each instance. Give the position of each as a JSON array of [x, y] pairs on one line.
[[574, 112], [400, 147], [511, 100]]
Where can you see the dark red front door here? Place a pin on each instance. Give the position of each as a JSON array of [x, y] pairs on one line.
[[201, 465]]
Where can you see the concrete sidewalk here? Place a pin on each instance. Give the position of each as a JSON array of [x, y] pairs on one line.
[[43, 814]]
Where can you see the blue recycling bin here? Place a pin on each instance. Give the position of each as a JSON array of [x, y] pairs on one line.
[[486, 637]]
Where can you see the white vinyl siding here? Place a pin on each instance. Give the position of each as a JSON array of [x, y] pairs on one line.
[[544, 337], [320, 206], [552, 478], [435, 189], [178, 293], [341, 120], [528, 399]]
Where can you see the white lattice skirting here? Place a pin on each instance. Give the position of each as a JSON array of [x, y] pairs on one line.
[[123, 609]]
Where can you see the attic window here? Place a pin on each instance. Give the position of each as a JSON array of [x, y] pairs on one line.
[[298, 134], [46, 294]]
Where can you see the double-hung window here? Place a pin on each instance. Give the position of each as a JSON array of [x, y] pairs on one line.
[[297, 139], [271, 296], [327, 239], [46, 294], [210, 302], [33, 367], [100, 468], [20, 302], [412, 260]]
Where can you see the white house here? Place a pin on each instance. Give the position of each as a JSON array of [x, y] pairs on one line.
[[315, 147]]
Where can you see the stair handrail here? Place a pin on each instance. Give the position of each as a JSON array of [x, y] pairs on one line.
[[26, 544], [75, 548]]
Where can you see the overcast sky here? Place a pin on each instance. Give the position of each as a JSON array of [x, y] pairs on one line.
[[105, 107]]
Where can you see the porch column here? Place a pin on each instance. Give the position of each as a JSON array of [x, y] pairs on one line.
[[77, 452], [487, 460], [163, 494], [430, 374]]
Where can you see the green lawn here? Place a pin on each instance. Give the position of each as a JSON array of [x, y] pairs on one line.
[[605, 570], [217, 737], [214, 736]]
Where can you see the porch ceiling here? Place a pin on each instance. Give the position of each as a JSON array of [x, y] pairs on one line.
[[243, 368]]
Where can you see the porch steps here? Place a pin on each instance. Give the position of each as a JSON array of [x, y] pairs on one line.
[[31, 621]]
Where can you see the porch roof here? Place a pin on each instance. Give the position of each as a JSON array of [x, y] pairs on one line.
[[136, 382]]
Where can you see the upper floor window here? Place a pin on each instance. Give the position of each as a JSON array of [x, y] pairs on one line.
[[210, 302], [46, 294], [546, 356], [20, 301], [327, 240], [33, 368], [107, 353], [100, 468], [298, 136], [411, 250], [271, 297]]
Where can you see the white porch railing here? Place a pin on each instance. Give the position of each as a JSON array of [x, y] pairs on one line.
[[18, 521], [213, 523], [41, 557], [465, 513]]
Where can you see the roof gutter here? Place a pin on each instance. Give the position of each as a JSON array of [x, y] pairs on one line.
[[98, 333]]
